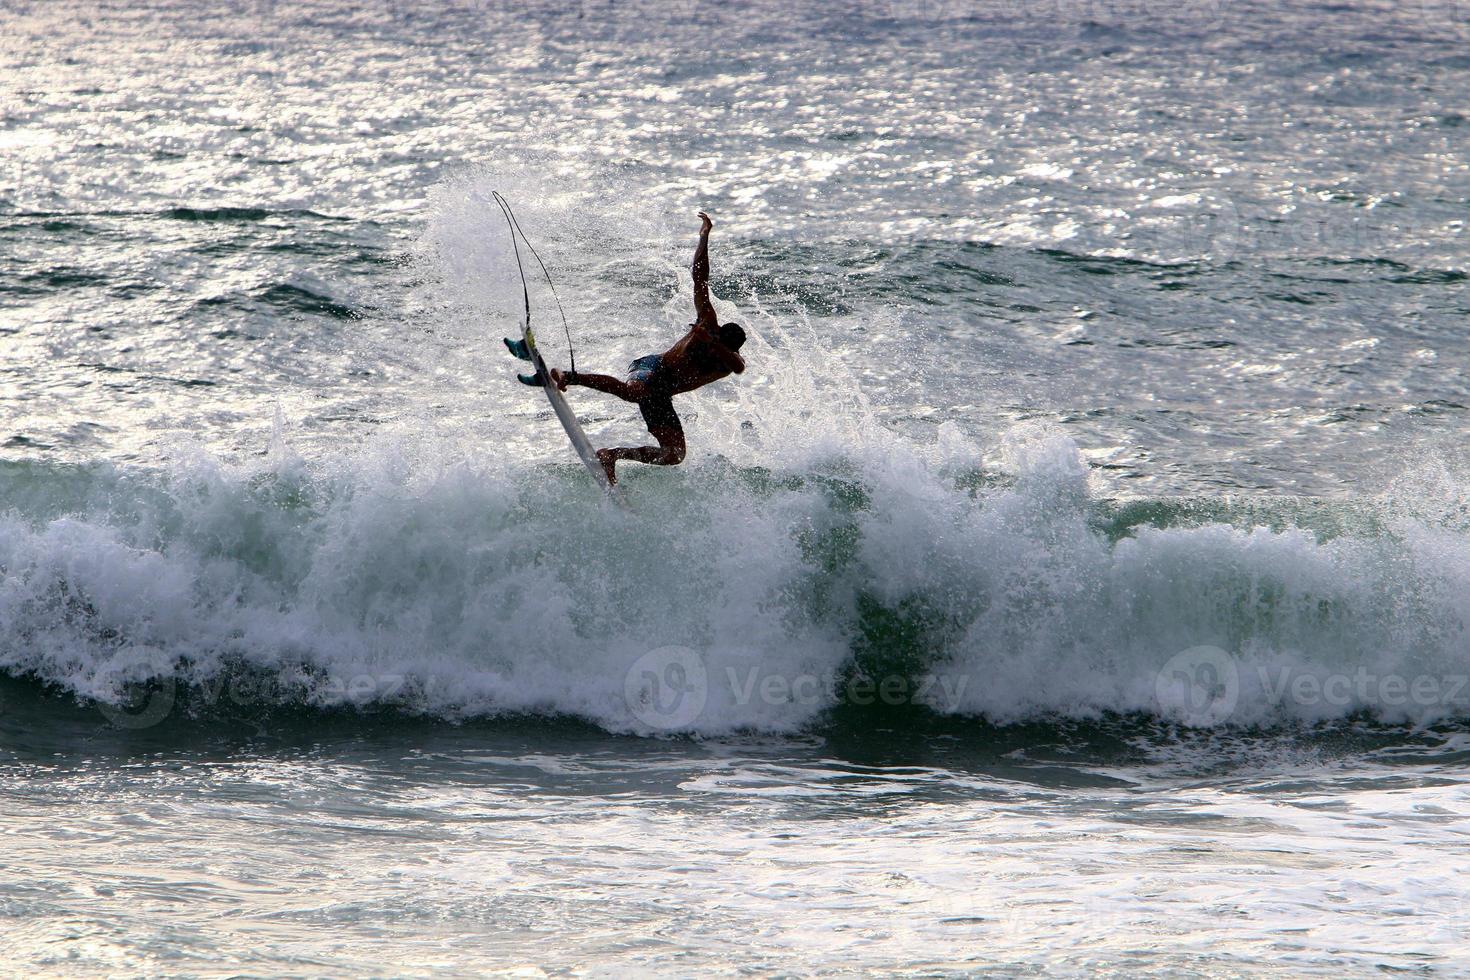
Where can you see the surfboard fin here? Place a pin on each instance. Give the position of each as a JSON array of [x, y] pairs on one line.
[[529, 379], [518, 348]]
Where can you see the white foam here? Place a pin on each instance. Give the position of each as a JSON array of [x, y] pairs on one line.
[[492, 587]]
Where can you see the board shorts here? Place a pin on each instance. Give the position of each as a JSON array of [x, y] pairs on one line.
[[658, 405]]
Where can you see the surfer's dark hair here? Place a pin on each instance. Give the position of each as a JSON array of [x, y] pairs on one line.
[[731, 335]]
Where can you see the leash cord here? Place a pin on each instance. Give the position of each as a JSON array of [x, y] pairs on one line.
[[516, 230]]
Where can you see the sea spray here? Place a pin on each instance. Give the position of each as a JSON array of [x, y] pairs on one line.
[[496, 587]]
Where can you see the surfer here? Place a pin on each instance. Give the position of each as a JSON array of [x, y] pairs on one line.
[[708, 352]]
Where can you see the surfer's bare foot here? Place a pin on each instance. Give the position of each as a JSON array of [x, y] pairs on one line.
[[705, 222], [559, 378], [608, 461]]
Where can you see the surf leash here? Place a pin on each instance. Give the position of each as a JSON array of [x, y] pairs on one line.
[[515, 226]]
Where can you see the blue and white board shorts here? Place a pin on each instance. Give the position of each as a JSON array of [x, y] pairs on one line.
[[642, 369], [658, 405]]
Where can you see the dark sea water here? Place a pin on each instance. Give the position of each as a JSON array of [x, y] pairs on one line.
[[1077, 582]]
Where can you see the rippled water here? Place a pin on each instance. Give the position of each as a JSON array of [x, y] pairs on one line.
[[1104, 399], [340, 847]]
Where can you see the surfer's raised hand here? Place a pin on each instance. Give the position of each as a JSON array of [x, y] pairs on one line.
[[704, 223]]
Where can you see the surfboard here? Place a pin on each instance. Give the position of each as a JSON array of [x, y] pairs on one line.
[[568, 419]]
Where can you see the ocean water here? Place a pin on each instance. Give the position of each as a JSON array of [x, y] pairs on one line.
[[1076, 583]]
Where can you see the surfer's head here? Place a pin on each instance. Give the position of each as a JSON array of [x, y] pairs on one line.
[[731, 335]]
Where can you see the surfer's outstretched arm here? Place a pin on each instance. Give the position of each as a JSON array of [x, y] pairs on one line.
[[704, 309], [707, 323]]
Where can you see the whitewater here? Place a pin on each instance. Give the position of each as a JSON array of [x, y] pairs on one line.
[[464, 588]]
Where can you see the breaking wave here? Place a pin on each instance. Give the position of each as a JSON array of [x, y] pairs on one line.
[[733, 598]]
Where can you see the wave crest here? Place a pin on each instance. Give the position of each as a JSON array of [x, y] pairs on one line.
[[429, 583]]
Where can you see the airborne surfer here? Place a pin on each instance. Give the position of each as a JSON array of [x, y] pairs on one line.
[[707, 353]]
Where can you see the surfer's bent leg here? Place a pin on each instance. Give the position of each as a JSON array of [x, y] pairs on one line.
[[663, 425], [669, 452]]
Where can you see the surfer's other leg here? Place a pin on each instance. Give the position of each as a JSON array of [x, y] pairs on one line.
[[609, 460], [670, 451], [664, 425]]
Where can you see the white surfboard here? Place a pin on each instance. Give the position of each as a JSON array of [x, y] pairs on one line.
[[569, 422]]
